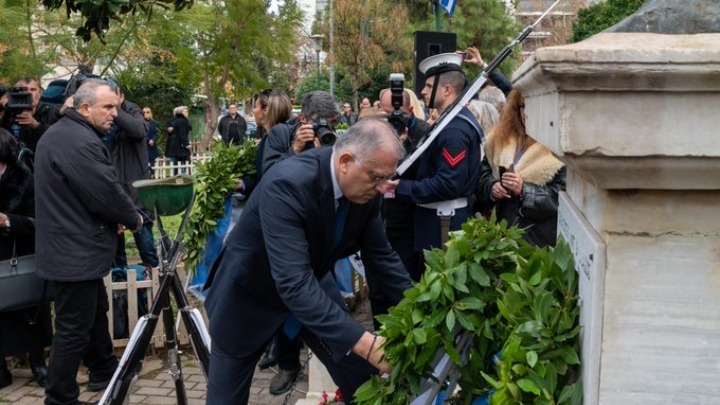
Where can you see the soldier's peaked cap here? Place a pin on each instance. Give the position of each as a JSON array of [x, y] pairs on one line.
[[441, 63]]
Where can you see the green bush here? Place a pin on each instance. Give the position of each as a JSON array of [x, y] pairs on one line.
[[511, 298], [600, 16]]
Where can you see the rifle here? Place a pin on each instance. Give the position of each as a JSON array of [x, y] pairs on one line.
[[467, 95]]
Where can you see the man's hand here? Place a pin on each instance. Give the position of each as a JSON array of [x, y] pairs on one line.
[[368, 347], [392, 184], [474, 57], [151, 143], [303, 135], [26, 119]]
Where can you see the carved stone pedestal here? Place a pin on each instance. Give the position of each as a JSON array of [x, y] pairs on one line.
[[636, 117]]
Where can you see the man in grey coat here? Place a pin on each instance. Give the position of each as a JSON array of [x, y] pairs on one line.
[[80, 205]]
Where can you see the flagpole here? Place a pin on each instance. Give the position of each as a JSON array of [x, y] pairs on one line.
[[436, 5]]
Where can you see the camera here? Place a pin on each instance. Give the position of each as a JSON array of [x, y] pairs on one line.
[[398, 119], [19, 99], [324, 132], [84, 73]]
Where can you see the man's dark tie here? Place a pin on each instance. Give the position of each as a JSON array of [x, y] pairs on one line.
[[292, 325], [340, 219]]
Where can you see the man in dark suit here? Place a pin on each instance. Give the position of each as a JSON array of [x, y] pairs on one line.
[[305, 214]]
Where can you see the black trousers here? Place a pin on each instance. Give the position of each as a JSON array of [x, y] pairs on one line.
[[288, 351], [81, 334], [230, 377], [402, 242]]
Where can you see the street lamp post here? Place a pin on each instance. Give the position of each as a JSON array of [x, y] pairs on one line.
[[318, 39]]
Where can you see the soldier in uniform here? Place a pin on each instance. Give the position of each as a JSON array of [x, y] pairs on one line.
[[447, 173], [398, 214]]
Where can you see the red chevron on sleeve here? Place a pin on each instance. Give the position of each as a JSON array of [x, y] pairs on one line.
[[453, 160]]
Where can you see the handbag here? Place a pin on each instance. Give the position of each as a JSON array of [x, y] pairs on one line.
[[20, 287]]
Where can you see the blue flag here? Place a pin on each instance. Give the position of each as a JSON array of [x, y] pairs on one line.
[[449, 6]]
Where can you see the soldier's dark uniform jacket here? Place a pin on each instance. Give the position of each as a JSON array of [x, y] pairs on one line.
[[448, 170]]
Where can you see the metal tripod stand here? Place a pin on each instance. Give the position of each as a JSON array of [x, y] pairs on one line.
[[130, 365]]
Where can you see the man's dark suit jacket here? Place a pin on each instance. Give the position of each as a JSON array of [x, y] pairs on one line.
[[280, 248]]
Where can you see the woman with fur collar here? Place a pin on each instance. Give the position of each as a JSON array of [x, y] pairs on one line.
[[520, 178]]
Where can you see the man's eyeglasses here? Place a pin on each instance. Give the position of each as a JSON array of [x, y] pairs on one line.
[[379, 179], [376, 178], [146, 112]]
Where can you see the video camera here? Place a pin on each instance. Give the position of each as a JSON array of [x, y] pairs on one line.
[[398, 119], [19, 99], [324, 132], [84, 73]]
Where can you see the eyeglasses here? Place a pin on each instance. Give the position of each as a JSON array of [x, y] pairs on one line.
[[146, 112], [376, 178], [379, 179]]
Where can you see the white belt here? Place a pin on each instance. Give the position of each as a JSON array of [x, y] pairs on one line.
[[446, 208]]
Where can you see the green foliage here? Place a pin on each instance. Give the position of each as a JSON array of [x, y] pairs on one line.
[[602, 15], [20, 42], [510, 297], [96, 15], [487, 25], [311, 83], [214, 181]]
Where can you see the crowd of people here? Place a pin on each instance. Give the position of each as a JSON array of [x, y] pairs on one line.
[[309, 205]]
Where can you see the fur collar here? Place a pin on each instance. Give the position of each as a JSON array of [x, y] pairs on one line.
[[537, 165]]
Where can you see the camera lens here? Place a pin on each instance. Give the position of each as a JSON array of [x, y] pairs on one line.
[[326, 136]]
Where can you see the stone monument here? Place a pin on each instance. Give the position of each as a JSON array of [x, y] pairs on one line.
[[636, 118]]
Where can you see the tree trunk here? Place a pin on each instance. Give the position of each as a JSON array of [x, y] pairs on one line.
[[214, 110]]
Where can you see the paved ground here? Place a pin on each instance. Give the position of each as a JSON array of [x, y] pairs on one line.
[[156, 387]]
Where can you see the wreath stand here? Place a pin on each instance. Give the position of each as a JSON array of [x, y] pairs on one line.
[[166, 197]]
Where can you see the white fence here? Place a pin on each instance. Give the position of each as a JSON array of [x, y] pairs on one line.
[[132, 286], [165, 168]]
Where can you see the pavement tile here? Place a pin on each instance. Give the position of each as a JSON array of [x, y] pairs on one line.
[[156, 387]]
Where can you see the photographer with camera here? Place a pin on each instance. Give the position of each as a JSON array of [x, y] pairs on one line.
[[21, 114], [396, 103], [127, 148], [316, 127], [448, 172]]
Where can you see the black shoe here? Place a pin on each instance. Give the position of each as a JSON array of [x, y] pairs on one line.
[[5, 378], [269, 359], [87, 403], [96, 385], [40, 372], [283, 381]]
